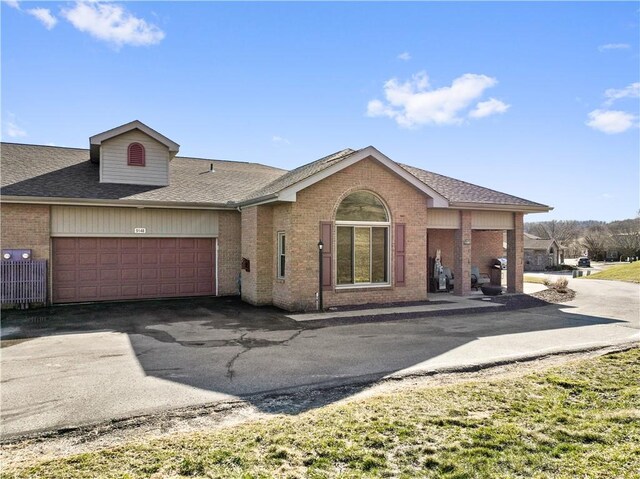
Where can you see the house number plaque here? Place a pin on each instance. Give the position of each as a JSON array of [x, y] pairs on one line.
[[139, 231]]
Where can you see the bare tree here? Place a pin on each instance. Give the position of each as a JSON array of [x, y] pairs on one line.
[[625, 236], [596, 240]]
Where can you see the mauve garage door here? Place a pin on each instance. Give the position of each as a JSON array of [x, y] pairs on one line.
[[104, 269]]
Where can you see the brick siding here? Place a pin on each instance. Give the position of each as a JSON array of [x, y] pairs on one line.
[[229, 252], [26, 226]]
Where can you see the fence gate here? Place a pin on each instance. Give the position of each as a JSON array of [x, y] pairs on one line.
[[23, 282]]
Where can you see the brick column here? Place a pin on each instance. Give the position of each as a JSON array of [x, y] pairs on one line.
[[462, 255], [515, 254]]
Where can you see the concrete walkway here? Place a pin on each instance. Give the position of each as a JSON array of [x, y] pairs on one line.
[[441, 302], [93, 364]]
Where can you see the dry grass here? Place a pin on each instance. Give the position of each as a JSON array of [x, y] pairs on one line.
[[624, 272], [578, 420]]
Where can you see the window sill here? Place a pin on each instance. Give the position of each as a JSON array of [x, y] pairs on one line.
[[365, 287]]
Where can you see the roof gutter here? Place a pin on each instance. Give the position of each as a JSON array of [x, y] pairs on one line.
[[117, 203], [499, 207], [258, 201]]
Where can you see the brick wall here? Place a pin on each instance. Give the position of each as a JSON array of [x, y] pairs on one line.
[[26, 226], [229, 252], [486, 246], [462, 255], [442, 240], [319, 203], [282, 222], [258, 248], [515, 255]]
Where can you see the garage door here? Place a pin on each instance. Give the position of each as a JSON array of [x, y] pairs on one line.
[[106, 269]]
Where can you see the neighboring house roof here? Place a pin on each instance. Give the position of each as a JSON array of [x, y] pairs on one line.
[[54, 172], [539, 244], [530, 236]]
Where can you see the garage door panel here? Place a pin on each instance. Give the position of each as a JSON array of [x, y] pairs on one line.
[[168, 258], [187, 258], [108, 259], [129, 274], [109, 275], [102, 269], [108, 243], [149, 258], [168, 243], [87, 244], [168, 289], [88, 275], [62, 276], [148, 273], [87, 292]]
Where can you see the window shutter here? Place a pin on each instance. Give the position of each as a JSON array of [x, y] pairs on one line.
[[326, 228], [400, 252]]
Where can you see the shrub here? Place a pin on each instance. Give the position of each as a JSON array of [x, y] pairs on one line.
[[561, 285]]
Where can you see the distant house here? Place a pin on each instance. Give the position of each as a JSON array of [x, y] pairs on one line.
[[540, 254], [130, 219]]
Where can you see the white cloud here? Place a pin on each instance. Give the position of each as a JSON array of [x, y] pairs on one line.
[[405, 56], [611, 121], [630, 91], [112, 23], [278, 140], [614, 46], [12, 3], [45, 16], [489, 107], [12, 129], [413, 103]]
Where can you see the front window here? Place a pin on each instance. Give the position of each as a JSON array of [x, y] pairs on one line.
[[362, 240], [281, 254]]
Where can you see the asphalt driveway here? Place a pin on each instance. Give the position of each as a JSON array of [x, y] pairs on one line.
[[78, 365]]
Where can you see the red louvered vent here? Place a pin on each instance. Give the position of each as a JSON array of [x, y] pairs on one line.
[[136, 155]]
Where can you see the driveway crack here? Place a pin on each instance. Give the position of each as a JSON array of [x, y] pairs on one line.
[[230, 372]]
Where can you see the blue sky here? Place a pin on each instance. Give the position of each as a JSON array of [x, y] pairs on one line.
[[540, 100]]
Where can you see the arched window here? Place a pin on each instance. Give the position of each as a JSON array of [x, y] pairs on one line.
[[362, 231], [135, 155]]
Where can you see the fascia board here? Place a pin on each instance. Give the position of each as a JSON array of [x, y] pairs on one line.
[[136, 124], [435, 199]]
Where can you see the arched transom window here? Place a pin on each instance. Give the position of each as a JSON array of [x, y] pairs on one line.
[[362, 232], [135, 155]]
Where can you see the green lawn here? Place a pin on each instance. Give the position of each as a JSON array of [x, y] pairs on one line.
[[578, 420], [534, 279], [624, 272]]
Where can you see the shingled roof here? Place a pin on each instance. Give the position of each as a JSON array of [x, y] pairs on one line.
[[300, 173], [458, 191], [45, 171]]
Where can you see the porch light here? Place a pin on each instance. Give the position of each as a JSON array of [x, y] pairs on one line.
[[320, 245], [6, 255]]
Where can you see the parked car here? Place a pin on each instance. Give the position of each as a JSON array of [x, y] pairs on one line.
[[584, 262]]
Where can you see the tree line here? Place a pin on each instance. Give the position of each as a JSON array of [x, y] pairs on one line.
[[614, 240]]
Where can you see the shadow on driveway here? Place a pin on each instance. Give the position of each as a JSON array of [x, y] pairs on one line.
[[226, 347]]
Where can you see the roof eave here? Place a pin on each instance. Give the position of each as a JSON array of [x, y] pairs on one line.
[[47, 200], [500, 207], [135, 125]]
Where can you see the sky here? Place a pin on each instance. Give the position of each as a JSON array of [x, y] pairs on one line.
[[540, 100]]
